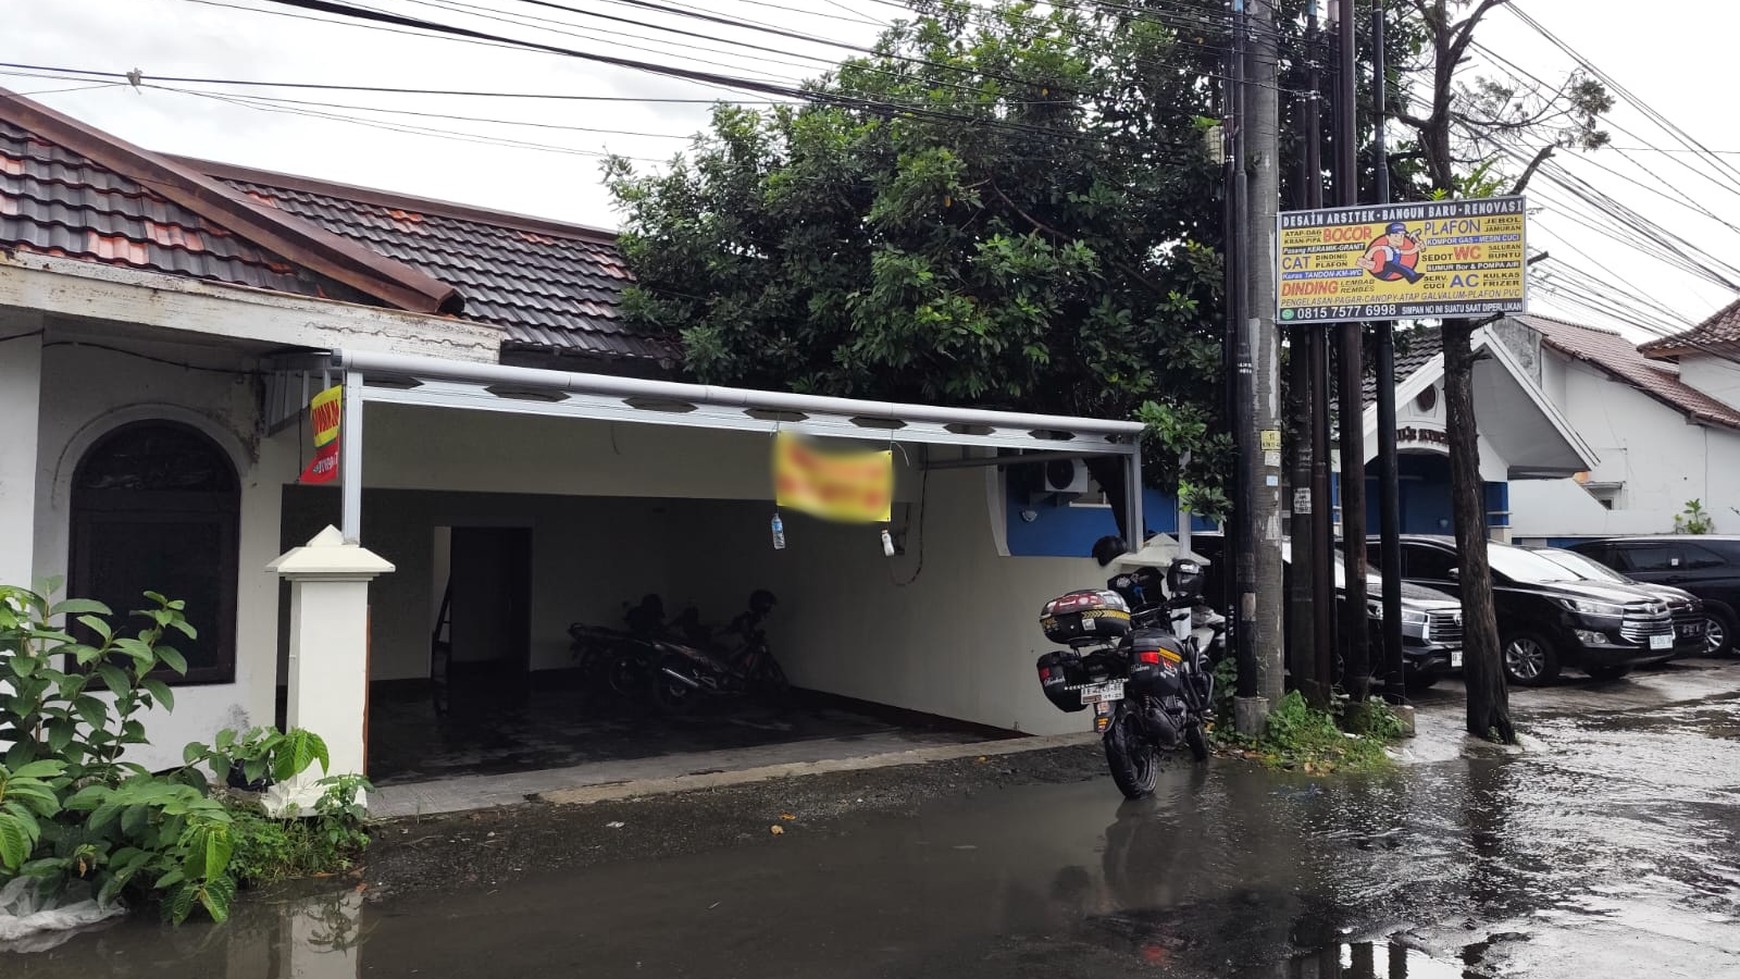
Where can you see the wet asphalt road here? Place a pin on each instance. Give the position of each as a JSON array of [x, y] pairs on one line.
[[1610, 848]]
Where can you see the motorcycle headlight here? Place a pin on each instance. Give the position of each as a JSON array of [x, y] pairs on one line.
[[1586, 607]]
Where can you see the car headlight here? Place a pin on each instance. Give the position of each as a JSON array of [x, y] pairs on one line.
[[1586, 607], [1412, 616]]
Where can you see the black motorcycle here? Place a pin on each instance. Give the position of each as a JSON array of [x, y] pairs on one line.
[[1146, 676], [618, 661], [697, 664]]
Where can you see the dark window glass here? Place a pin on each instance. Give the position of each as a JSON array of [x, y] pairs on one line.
[[1651, 557], [1427, 563], [154, 508], [1697, 557]]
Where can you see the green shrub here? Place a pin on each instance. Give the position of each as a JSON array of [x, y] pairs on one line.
[[72, 810], [1319, 741]]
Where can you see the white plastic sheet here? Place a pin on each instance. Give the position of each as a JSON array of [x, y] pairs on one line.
[[30, 924]]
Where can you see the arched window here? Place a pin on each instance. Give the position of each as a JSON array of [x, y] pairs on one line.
[[154, 508]]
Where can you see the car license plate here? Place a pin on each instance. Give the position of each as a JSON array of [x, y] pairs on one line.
[[1661, 642], [1455, 659], [1097, 693]]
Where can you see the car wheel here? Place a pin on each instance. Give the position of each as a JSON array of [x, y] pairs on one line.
[[1606, 673], [1718, 634], [1530, 660]]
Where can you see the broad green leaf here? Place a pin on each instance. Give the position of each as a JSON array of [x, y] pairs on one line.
[[157, 598], [98, 625], [135, 821], [39, 769], [185, 628], [160, 692], [60, 735], [92, 710], [181, 904], [15, 847], [216, 896], [23, 666], [78, 606], [114, 679], [89, 797], [171, 657], [171, 878]]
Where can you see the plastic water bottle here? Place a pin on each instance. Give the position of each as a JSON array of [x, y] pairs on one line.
[[887, 543], [778, 533]]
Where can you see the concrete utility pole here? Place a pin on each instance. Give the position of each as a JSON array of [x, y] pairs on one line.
[[1249, 716], [1389, 487], [1263, 117]]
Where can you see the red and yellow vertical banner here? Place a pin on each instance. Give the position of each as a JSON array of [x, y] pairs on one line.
[[325, 413], [851, 487]]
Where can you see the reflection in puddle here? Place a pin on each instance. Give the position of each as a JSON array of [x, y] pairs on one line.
[[1367, 960], [310, 936]]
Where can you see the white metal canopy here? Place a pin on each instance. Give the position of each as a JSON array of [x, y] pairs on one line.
[[380, 378]]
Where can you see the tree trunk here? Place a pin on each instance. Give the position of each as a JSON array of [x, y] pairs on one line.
[[1482, 668]]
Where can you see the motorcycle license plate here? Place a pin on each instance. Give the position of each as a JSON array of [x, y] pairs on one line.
[[1455, 659], [1099, 693], [1661, 642]]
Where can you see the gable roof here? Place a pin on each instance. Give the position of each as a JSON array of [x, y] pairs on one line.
[[1720, 333], [1414, 349], [1620, 359], [70, 190], [552, 286]]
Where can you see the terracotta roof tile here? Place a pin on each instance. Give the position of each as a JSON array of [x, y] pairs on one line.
[[55, 201], [1620, 359], [1719, 333], [549, 286]]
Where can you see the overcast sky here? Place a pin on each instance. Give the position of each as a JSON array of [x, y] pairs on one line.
[[1683, 74]]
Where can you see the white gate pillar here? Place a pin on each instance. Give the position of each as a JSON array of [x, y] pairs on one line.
[[329, 650], [20, 407]]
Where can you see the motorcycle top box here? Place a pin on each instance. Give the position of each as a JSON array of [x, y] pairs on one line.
[[1083, 617]]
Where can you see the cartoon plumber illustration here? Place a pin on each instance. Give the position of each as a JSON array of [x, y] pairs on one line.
[[1394, 256]]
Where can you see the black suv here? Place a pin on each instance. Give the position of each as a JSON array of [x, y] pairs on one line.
[[1708, 567], [1686, 608], [1431, 620], [1549, 619]]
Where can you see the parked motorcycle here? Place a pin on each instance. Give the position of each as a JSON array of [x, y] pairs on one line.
[[1145, 673], [618, 661], [698, 664]]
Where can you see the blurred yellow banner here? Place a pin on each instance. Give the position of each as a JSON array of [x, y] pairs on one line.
[[851, 487]]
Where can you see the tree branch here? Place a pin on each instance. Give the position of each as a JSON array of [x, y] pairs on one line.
[[1136, 276], [1528, 173]]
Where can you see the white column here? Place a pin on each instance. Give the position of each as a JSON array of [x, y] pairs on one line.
[[329, 651], [20, 410]]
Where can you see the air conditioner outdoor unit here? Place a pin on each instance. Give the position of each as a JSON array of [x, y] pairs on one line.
[[1066, 477]]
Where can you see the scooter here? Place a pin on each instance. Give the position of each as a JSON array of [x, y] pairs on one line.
[[1145, 674], [699, 665]]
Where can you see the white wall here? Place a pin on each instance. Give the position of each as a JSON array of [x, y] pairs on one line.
[[1714, 376], [1662, 460], [959, 641], [87, 392], [589, 555], [20, 408], [487, 452]]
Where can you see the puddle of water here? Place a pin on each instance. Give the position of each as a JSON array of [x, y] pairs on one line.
[[1617, 852]]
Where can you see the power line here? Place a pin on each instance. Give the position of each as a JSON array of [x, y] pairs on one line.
[[382, 89]]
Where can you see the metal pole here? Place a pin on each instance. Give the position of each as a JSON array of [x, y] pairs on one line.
[[1319, 675], [350, 459], [1244, 371], [1389, 487], [1356, 641]]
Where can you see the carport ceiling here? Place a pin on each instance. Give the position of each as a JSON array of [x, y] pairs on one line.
[[434, 383]]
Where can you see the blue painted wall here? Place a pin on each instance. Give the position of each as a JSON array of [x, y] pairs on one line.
[[1061, 530], [1424, 493]]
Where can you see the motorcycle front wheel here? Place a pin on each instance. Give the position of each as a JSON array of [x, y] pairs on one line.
[[1134, 763]]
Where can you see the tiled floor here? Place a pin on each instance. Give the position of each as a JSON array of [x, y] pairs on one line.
[[497, 732]]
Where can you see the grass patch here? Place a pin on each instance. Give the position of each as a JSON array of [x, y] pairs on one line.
[[326, 842], [1348, 738]]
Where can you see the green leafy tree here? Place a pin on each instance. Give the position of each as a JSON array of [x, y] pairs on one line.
[[1037, 226]]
